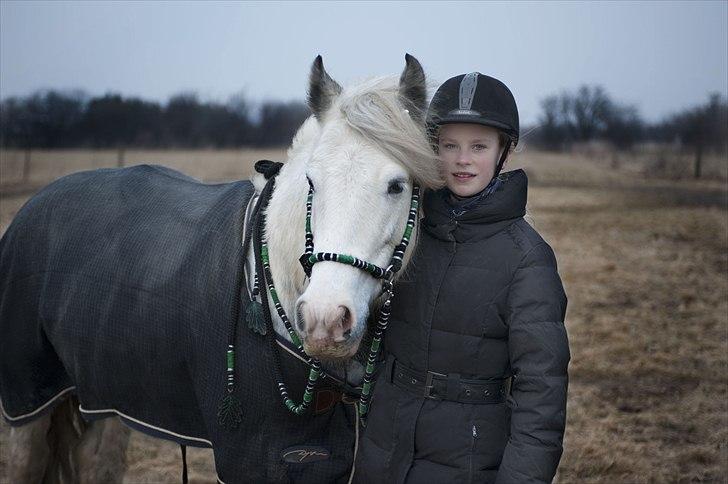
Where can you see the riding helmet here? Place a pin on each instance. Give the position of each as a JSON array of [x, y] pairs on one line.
[[475, 98]]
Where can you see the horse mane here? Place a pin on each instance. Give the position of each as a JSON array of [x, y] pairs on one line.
[[374, 110]]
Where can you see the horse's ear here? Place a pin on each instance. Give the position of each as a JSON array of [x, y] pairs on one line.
[[412, 87], [321, 89]]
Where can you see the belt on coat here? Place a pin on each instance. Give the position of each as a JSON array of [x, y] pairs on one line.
[[450, 387]]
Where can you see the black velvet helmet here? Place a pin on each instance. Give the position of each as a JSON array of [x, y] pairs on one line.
[[475, 98], [478, 99]]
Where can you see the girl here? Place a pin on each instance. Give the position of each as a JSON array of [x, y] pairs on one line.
[[474, 389]]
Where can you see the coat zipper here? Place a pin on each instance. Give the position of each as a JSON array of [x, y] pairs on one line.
[[471, 473], [454, 242]]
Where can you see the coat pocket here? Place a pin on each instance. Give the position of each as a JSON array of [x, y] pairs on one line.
[[490, 432]]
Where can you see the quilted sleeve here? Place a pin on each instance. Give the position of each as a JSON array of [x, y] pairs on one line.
[[539, 355]]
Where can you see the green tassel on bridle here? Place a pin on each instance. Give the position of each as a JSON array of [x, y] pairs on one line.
[[254, 312], [230, 410]]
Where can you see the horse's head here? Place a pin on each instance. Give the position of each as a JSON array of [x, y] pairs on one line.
[[369, 151]]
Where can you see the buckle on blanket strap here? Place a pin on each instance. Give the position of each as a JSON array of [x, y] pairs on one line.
[[326, 397]]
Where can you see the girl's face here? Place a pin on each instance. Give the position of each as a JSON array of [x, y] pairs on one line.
[[469, 154]]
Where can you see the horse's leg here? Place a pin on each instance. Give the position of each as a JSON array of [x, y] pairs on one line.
[[101, 454], [29, 451], [64, 436]]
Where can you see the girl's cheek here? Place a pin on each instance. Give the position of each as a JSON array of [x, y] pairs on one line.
[[446, 159]]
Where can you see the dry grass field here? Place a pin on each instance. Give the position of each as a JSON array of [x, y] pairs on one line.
[[645, 264]]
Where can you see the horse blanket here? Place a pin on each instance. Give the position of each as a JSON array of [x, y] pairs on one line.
[[120, 285]]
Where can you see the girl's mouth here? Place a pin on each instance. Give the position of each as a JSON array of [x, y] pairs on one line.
[[462, 175]]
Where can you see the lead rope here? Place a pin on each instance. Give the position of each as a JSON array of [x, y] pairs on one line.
[[263, 274], [315, 366]]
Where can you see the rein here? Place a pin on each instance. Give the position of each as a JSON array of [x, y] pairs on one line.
[[226, 415]]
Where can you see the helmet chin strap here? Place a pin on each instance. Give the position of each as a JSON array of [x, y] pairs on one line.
[[502, 160]]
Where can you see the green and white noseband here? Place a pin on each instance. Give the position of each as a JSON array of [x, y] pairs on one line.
[[309, 258]]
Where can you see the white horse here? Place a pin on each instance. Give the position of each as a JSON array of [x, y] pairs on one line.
[[361, 154]]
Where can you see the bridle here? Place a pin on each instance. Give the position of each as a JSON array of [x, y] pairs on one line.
[[230, 409], [309, 258]]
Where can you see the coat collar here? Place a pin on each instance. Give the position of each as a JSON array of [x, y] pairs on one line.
[[496, 211]]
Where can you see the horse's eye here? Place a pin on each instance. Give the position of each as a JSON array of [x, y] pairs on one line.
[[395, 186], [310, 184]]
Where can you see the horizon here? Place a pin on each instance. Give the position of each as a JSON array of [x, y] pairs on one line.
[[666, 58]]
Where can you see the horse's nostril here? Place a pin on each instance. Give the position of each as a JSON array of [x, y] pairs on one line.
[[300, 323], [346, 319]]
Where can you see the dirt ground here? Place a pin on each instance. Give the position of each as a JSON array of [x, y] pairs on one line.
[[645, 266]]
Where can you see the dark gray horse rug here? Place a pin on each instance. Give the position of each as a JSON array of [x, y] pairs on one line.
[[120, 286]]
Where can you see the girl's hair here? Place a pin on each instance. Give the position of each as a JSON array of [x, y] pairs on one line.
[[503, 138]]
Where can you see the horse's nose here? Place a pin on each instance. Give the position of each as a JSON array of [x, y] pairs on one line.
[[325, 323]]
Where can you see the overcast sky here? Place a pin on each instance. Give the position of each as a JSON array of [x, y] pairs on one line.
[[659, 56]]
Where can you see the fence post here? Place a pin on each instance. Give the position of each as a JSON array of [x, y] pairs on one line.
[[698, 160], [120, 158], [26, 165]]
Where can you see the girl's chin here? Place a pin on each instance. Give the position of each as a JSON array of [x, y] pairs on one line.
[[464, 188]]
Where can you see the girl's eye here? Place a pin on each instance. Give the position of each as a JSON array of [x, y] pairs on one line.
[[449, 146], [479, 147], [395, 187]]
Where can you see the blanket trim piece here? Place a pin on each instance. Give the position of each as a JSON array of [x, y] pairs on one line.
[[30, 416], [154, 431]]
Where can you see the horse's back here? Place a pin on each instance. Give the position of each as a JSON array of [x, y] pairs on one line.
[[123, 283], [108, 279]]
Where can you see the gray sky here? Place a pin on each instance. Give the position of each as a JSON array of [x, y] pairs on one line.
[[659, 56]]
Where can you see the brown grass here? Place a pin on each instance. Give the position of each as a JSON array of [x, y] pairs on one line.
[[644, 261]]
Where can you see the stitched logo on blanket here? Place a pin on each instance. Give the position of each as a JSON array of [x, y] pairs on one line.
[[303, 454]]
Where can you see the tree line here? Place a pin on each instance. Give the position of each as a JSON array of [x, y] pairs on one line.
[[589, 114], [56, 119]]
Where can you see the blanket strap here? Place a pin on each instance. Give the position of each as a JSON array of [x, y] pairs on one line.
[[184, 463]]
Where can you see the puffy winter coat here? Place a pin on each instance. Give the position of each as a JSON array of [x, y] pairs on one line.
[[481, 299]]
